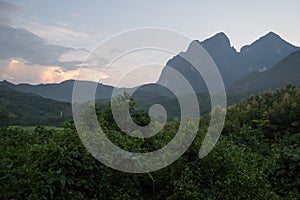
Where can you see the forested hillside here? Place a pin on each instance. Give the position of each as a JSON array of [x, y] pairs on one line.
[[18, 108], [257, 157], [287, 71]]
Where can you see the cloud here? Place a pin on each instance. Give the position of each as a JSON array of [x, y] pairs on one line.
[[57, 34], [76, 55], [6, 8], [26, 56], [38, 53], [20, 43], [18, 71], [15, 70], [61, 34], [23, 44]]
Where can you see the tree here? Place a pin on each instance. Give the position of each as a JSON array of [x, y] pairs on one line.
[[4, 116]]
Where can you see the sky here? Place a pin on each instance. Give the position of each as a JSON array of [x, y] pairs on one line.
[[47, 41]]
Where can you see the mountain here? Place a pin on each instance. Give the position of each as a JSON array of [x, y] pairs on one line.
[[260, 55], [30, 109], [219, 49], [287, 71], [265, 52], [59, 91]]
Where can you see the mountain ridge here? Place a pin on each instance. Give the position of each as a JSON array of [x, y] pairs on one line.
[[260, 55], [233, 66], [287, 71]]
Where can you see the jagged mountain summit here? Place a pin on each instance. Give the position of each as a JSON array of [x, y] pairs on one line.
[[233, 65], [265, 52]]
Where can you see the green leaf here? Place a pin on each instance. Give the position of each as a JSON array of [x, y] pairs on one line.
[[150, 176], [63, 180]]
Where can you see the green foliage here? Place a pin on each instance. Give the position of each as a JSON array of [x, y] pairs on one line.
[[279, 113], [268, 125], [285, 176], [257, 157]]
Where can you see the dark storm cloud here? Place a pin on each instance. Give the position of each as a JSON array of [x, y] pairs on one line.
[[20, 43], [6, 8]]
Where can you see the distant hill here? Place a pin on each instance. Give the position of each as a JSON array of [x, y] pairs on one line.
[[31, 109], [287, 71], [146, 99], [59, 91], [262, 54]]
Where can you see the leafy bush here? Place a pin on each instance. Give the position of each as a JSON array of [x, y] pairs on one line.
[[256, 158]]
